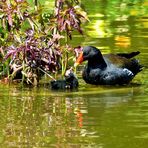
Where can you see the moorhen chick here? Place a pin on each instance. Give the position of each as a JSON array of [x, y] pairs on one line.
[[70, 82], [108, 69]]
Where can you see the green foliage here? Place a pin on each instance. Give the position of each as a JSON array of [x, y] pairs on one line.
[[32, 37]]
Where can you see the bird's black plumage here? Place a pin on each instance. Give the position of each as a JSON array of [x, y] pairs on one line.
[[109, 69], [70, 82]]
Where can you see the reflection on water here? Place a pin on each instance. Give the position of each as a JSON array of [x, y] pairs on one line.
[[93, 116], [117, 26], [100, 117]]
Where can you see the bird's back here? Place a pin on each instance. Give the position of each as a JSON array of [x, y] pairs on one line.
[[124, 61]]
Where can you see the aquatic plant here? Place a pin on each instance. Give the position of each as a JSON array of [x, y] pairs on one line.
[[35, 41]]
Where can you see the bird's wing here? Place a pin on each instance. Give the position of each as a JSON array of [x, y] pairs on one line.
[[118, 76]]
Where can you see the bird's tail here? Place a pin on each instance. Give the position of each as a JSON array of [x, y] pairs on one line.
[[136, 67], [129, 55]]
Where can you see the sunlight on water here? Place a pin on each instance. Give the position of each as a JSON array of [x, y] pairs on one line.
[[93, 116]]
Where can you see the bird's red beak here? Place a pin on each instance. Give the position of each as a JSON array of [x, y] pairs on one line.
[[79, 59]]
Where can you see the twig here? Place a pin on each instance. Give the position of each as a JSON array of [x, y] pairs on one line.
[[47, 74]]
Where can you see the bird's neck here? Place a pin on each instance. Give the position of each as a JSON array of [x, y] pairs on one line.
[[97, 62]]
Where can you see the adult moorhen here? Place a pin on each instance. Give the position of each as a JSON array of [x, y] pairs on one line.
[[70, 82], [108, 69]]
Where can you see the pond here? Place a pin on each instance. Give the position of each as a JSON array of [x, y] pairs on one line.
[[93, 116]]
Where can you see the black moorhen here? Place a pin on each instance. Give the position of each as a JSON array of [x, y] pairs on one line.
[[70, 82], [108, 69]]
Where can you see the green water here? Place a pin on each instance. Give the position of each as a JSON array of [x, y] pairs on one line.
[[93, 116]]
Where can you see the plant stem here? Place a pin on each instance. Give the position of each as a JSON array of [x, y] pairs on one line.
[[47, 74]]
